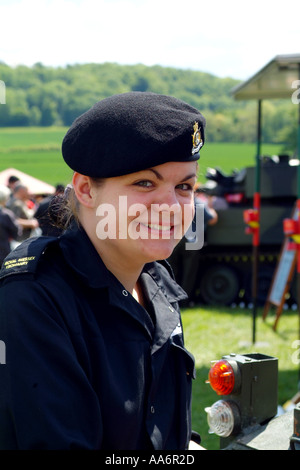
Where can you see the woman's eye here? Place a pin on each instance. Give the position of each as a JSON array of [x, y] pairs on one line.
[[185, 187], [144, 183]]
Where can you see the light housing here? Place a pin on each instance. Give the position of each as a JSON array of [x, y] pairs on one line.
[[224, 418], [247, 389], [224, 377], [221, 377]]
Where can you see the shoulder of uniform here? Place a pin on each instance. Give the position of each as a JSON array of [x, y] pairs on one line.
[[25, 258]]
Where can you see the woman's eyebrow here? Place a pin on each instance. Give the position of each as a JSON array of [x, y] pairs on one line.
[[157, 174], [192, 175], [160, 177]]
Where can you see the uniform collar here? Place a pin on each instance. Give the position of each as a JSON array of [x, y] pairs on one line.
[[83, 258], [161, 273]]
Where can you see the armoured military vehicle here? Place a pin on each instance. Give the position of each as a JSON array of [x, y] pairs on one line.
[[224, 274]]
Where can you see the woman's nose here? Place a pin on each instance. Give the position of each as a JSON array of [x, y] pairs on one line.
[[168, 196], [166, 208]]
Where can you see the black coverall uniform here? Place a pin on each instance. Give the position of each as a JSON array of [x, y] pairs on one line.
[[86, 366]]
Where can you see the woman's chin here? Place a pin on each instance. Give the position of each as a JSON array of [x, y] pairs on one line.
[[155, 250]]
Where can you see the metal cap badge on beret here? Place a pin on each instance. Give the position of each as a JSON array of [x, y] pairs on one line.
[[133, 131]]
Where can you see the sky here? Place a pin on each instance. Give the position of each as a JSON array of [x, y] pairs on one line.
[[229, 38]]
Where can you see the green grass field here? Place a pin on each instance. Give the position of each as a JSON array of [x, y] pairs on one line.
[[37, 151], [231, 156], [209, 333]]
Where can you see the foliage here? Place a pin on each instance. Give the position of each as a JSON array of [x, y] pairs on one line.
[[46, 96]]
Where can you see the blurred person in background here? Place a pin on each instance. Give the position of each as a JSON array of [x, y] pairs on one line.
[[10, 229], [19, 207], [13, 181]]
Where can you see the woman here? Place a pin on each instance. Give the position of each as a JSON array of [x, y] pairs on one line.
[[94, 348]]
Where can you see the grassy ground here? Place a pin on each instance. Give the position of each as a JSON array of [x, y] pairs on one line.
[[211, 333], [37, 151], [232, 156]]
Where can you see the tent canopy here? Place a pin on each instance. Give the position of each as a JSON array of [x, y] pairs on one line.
[[274, 80], [34, 185]]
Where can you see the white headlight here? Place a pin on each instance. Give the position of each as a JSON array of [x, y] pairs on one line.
[[223, 418]]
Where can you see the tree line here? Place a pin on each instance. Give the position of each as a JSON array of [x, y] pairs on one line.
[[45, 96]]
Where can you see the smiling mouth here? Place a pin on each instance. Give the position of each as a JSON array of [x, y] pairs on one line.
[[161, 228], [157, 231]]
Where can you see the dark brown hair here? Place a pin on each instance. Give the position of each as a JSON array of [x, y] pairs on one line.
[[64, 209]]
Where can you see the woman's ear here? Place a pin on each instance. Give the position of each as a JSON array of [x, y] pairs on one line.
[[83, 189]]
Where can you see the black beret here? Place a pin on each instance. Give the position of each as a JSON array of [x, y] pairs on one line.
[[131, 132]]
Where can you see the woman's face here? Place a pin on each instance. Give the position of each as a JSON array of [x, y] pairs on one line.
[[142, 216]]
